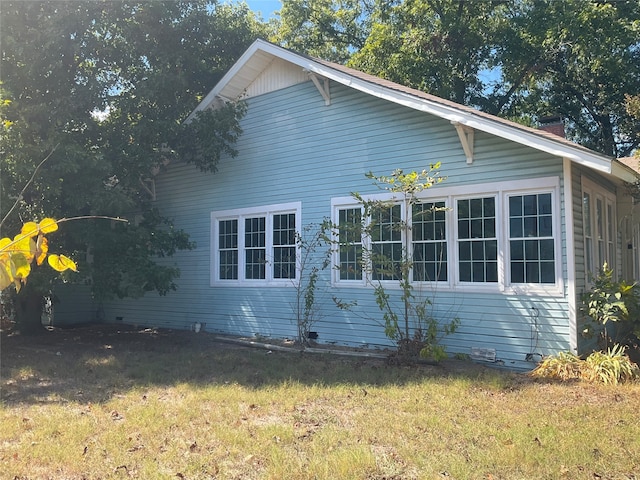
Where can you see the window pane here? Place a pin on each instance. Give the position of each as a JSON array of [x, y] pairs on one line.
[[517, 272], [547, 272], [515, 206], [546, 250], [588, 238], [532, 258], [255, 253], [464, 229], [532, 272], [492, 272], [545, 226], [491, 250], [489, 207], [489, 228], [228, 265], [350, 243], [531, 250], [227, 249], [516, 228], [284, 249], [477, 244], [228, 234], [530, 226], [284, 262], [255, 264], [586, 209], [517, 250], [463, 208], [429, 246], [386, 243], [530, 205], [465, 271], [464, 251], [476, 207], [544, 204]]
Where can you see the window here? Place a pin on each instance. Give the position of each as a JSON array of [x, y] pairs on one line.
[[255, 246], [350, 240], [255, 252], [228, 251], [477, 241], [599, 227], [386, 243], [429, 242], [531, 243], [588, 231], [502, 236], [284, 245]]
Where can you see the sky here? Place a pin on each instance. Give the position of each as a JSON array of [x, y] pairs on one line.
[[265, 7]]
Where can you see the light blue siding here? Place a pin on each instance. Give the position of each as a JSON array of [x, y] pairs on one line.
[[295, 148]]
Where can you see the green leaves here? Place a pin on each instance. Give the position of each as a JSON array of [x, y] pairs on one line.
[[142, 65], [611, 301]]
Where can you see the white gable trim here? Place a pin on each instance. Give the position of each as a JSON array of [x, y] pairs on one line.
[[259, 55]]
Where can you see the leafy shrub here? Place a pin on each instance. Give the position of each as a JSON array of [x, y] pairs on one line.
[[612, 302], [610, 367]]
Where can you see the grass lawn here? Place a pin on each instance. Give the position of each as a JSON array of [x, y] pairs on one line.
[[102, 404]]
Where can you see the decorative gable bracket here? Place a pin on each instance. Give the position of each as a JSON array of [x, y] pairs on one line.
[[466, 139], [323, 87]]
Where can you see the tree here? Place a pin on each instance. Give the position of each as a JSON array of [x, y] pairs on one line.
[[110, 83], [440, 47], [578, 59], [520, 59], [408, 323], [329, 29]]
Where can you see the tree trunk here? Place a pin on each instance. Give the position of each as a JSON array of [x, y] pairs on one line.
[[28, 311]]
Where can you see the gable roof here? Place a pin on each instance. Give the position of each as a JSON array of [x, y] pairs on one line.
[[261, 54]]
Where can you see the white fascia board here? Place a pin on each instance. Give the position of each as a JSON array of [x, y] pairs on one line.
[[233, 71], [624, 173]]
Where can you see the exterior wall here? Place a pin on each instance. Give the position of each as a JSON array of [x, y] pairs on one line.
[[627, 220], [73, 305], [297, 149]]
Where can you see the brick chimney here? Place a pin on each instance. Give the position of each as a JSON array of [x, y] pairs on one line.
[[552, 124]]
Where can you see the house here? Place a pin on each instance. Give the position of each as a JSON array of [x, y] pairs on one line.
[[528, 214]]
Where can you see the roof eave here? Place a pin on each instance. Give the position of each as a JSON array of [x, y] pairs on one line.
[[523, 136]]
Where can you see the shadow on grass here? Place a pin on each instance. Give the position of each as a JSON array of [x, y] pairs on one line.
[[92, 364]]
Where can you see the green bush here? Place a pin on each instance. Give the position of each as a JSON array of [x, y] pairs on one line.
[[612, 309]]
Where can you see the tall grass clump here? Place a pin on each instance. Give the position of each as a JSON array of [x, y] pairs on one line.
[[611, 367]]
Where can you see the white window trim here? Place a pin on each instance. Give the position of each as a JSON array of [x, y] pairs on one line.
[[267, 211], [449, 195]]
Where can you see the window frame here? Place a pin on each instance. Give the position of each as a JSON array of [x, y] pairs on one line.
[[599, 250], [501, 191], [240, 215]]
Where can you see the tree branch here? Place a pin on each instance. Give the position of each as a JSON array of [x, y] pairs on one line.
[[24, 189]]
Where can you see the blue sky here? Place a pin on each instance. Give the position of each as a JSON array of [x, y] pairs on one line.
[[265, 7]]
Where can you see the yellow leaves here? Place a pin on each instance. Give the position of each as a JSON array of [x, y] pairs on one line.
[[48, 225], [17, 254], [42, 248], [61, 263]]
